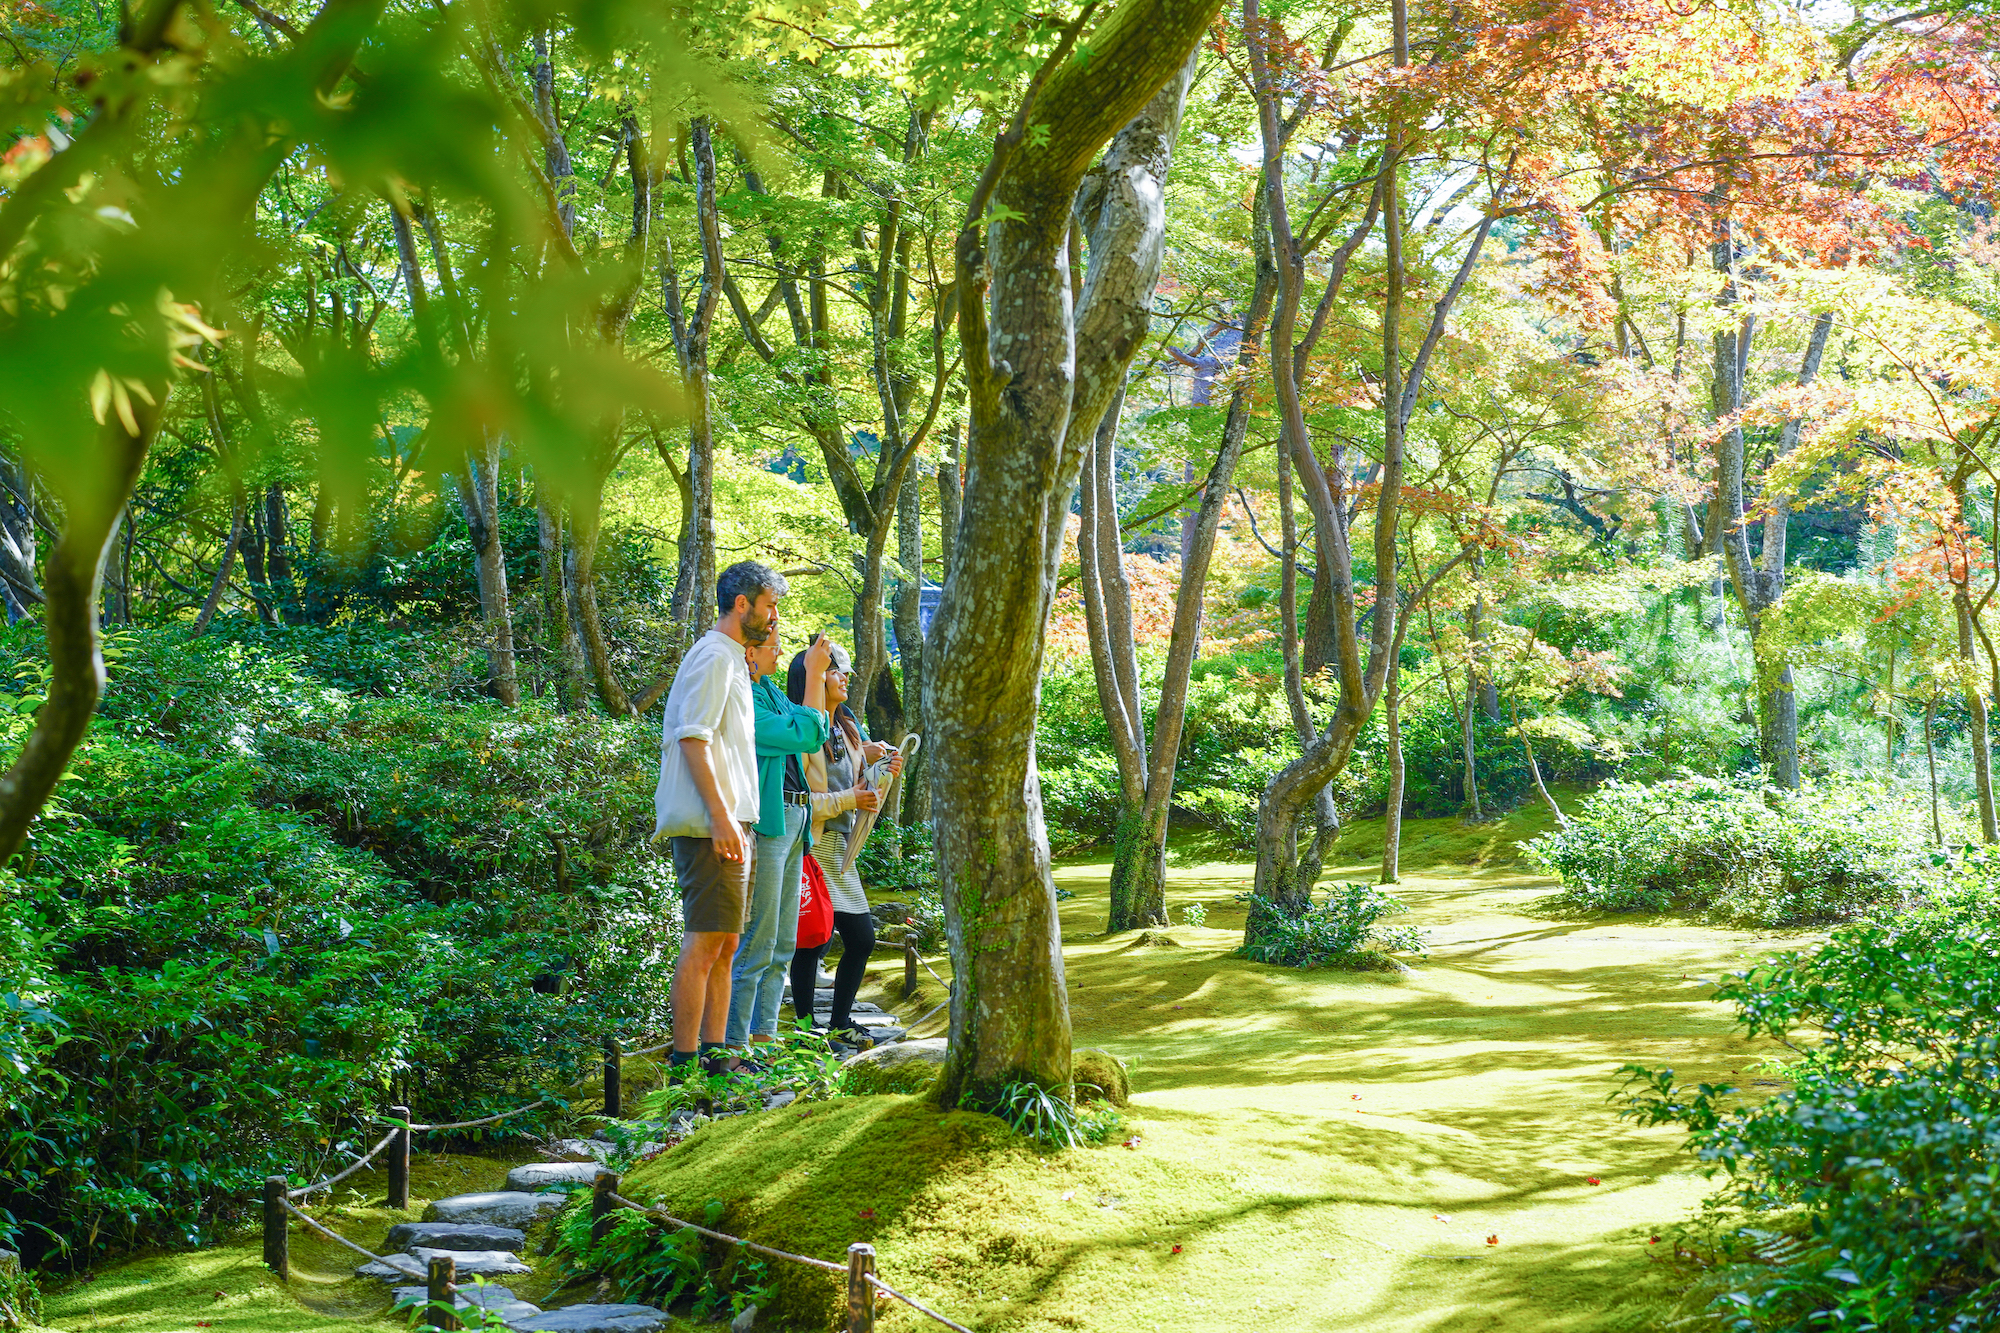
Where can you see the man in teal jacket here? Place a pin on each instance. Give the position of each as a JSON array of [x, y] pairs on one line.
[[784, 821]]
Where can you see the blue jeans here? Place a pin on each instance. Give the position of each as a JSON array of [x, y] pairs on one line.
[[770, 932]]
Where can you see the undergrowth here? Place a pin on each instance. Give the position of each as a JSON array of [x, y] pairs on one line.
[[1865, 1194], [1344, 931], [1740, 851]]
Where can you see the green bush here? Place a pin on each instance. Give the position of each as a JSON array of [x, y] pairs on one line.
[[1741, 851], [1866, 1192], [264, 909], [1343, 932], [656, 1263]]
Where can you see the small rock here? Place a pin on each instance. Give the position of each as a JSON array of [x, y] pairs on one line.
[[594, 1319], [894, 913], [541, 1175], [906, 1067], [392, 1268], [497, 1299], [501, 1208], [782, 1098], [474, 1263], [742, 1322], [454, 1236], [10, 1262], [1154, 939]]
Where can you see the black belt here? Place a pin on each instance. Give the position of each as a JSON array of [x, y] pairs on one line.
[[803, 798]]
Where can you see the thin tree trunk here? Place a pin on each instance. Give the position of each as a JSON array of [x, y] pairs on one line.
[[1471, 762], [950, 499], [1930, 760], [558, 630], [586, 527], [1978, 737], [1139, 866], [217, 586], [910, 646], [1392, 813], [694, 584], [479, 497], [71, 578]]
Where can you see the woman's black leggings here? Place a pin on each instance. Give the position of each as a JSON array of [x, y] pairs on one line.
[[857, 942]]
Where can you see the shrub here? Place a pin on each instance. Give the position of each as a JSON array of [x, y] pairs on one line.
[[1744, 852], [209, 948], [1879, 1159], [658, 1264], [1341, 932]]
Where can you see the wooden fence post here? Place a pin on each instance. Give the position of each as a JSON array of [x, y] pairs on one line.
[[909, 966], [602, 1206], [443, 1292], [613, 1100], [277, 1243], [399, 1159], [860, 1294]]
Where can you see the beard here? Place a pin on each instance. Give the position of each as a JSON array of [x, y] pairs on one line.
[[758, 632]]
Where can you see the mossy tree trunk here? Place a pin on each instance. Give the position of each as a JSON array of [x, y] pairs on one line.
[[1040, 373]]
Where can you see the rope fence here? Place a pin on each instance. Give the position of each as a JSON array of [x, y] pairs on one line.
[[442, 1286], [862, 1283]]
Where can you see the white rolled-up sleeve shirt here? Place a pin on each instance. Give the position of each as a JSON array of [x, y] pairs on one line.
[[710, 701]]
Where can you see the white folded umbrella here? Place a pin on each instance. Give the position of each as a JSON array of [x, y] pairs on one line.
[[864, 822]]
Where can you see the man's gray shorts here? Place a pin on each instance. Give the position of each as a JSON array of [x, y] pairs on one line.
[[714, 893]]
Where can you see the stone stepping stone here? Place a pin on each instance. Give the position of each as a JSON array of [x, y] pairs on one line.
[[501, 1208], [497, 1299], [393, 1268], [600, 1151], [474, 1263], [541, 1175], [455, 1236], [593, 1319], [416, 1263]]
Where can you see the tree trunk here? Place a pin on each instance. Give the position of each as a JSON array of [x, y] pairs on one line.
[[71, 580], [1392, 811], [278, 554], [18, 553], [1039, 377], [221, 581], [586, 527], [1978, 734], [915, 787], [1471, 762], [1139, 864], [1360, 679], [694, 583], [558, 630], [479, 497], [950, 500]]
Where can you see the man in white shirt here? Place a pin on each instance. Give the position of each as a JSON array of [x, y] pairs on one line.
[[707, 803]]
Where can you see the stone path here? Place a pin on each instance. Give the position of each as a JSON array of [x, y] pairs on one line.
[[483, 1233]]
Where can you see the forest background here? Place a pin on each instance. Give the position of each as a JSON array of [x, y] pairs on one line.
[[1471, 405]]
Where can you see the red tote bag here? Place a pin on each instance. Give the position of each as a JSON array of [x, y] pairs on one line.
[[815, 907]]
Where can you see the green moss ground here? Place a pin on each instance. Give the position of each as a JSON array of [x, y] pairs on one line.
[[1330, 1151]]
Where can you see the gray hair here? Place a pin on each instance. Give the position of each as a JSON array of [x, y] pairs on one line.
[[747, 578]]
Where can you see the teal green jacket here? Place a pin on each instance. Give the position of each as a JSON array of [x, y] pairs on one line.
[[783, 728]]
